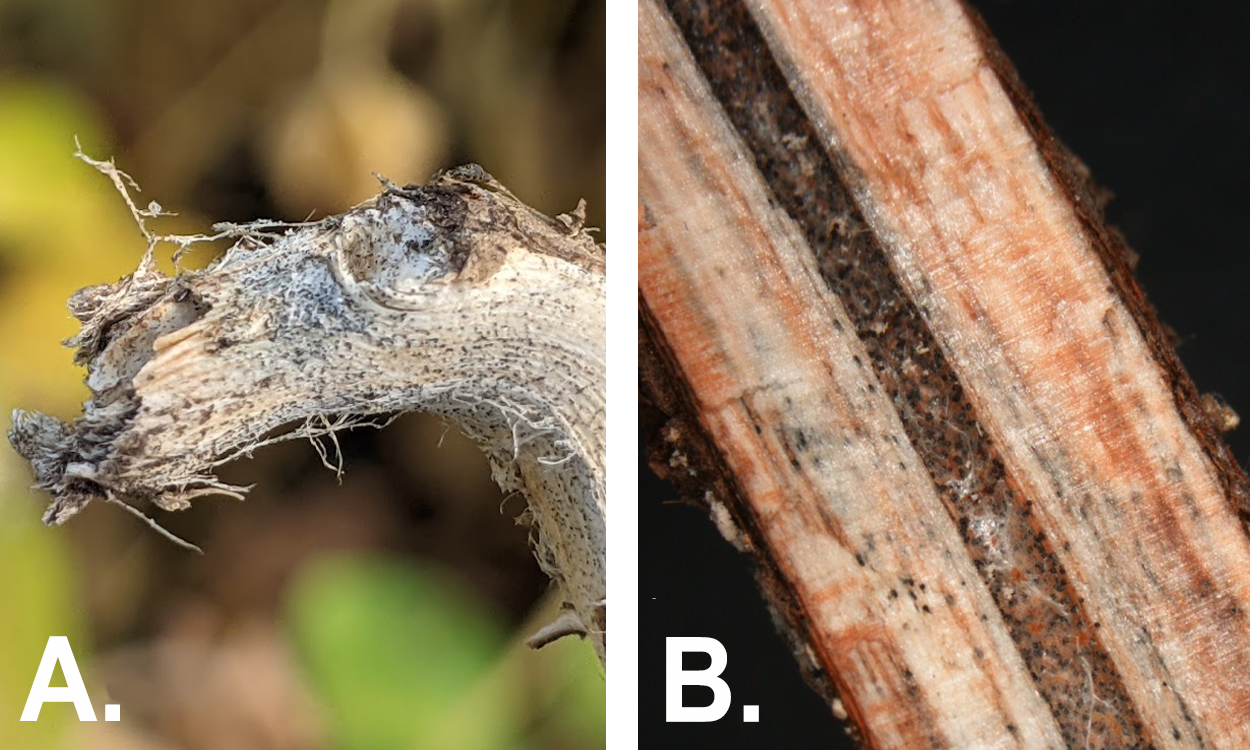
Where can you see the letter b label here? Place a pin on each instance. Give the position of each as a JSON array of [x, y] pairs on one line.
[[675, 678]]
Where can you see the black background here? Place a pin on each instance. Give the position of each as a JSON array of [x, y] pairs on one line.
[[1153, 96]]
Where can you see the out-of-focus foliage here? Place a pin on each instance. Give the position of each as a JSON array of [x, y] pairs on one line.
[[58, 223], [37, 589], [235, 110], [425, 645], [409, 659]]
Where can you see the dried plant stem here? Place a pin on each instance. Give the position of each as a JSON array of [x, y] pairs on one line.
[[453, 298], [899, 354]]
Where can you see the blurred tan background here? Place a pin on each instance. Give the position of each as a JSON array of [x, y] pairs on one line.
[[385, 612]]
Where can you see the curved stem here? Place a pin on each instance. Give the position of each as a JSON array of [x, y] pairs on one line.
[[453, 298]]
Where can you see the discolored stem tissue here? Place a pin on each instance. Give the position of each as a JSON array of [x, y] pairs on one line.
[[895, 350], [453, 298]]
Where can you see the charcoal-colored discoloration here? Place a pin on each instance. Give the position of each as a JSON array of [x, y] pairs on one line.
[[1059, 643], [453, 298]]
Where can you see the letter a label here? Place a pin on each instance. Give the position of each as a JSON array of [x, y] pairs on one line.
[[42, 692]]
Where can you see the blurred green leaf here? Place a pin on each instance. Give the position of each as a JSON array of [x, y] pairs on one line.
[[580, 687], [391, 648], [38, 594]]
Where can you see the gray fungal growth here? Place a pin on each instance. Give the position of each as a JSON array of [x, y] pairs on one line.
[[452, 297]]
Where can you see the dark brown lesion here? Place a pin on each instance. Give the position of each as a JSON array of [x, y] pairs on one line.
[[498, 217], [1059, 643], [478, 220]]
